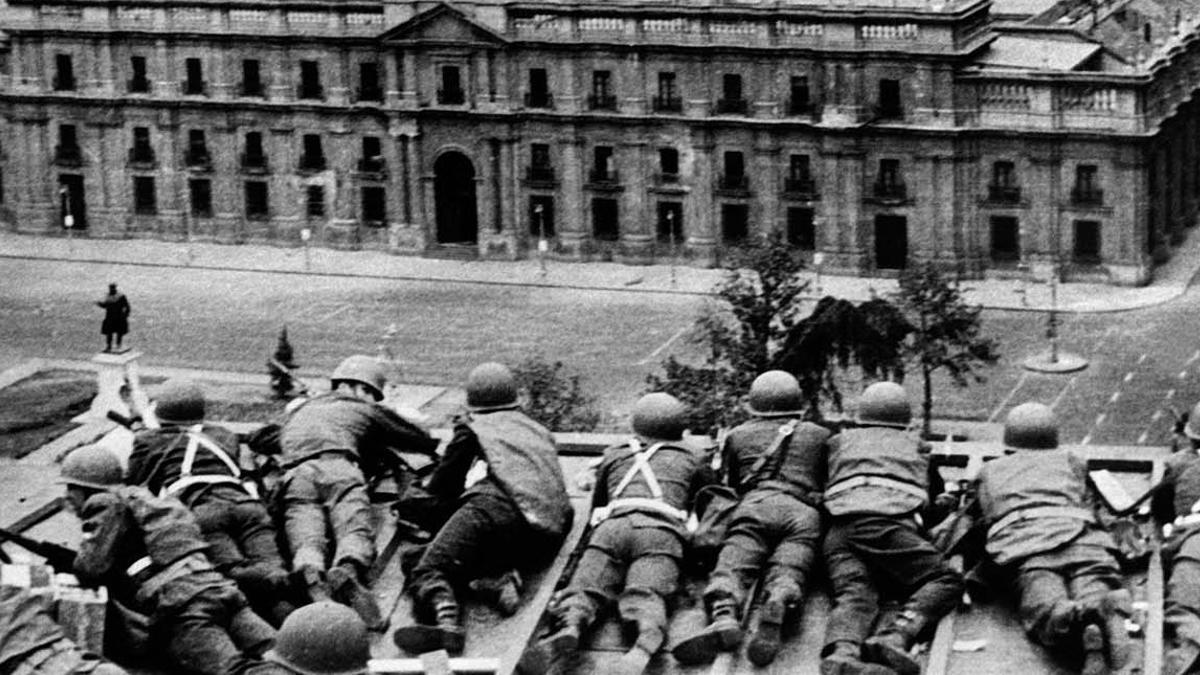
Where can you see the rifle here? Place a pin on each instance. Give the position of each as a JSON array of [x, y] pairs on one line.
[[61, 558], [127, 422]]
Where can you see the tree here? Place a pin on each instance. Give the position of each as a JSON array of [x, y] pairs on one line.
[[945, 332], [554, 398]]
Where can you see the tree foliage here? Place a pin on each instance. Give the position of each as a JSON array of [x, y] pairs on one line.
[[554, 398]]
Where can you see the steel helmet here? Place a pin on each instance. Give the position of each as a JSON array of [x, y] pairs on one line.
[[362, 369], [1031, 426], [92, 466], [775, 393], [1192, 428], [491, 386], [659, 416], [885, 403], [323, 638], [180, 402]]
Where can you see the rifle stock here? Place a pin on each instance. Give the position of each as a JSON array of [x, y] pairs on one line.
[[61, 558]]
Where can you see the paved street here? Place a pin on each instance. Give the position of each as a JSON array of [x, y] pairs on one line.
[[1141, 360]]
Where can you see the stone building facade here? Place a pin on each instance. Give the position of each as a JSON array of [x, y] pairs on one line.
[[877, 134]]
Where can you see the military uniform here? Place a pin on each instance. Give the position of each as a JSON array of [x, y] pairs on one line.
[[330, 445], [879, 481], [31, 643], [197, 464], [1176, 502], [149, 552]]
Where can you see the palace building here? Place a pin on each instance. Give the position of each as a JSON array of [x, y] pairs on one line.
[[877, 133]]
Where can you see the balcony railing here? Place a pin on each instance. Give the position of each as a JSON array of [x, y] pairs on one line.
[[889, 112], [1087, 196], [668, 104], [141, 157], [732, 106], [799, 106], [252, 89], [1004, 194], [602, 102], [198, 160], [800, 186], [890, 190], [255, 163], [738, 182], [138, 86], [64, 83], [374, 165], [540, 174], [451, 96], [193, 88], [539, 100], [68, 155], [310, 91], [668, 178], [312, 162], [370, 94], [603, 177]]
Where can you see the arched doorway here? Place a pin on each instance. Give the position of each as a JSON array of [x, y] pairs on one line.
[[454, 195]]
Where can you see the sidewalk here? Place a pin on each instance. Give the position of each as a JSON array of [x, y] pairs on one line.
[[1170, 280]]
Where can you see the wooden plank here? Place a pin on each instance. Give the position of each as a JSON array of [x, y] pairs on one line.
[[1152, 652], [463, 666], [943, 637]]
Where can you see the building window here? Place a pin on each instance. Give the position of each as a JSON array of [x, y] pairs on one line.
[[801, 229], [372, 155], [888, 184], [603, 170], [670, 223], [731, 95], [368, 82], [605, 225], [1087, 185], [799, 178], [889, 99], [141, 152], [374, 206], [310, 80], [1006, 240], [734, 176], [256, 200], [253, 157], [194, 84], [451, 92], [538, 95], [668, 165], [1003, 187], [539, 162], [602, 97], [735, 223], [667, 99], [1087, 242], [145, 202], [138, 82], [798, 102], [315, 201], [541, 217], [251, 78], [313, 156], [197, 152], [67, 151], [201, 192], [64, 73]]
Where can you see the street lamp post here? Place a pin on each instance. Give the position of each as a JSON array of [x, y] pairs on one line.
[[68, 221], [674, 250], [1052, 320], [542, 245]]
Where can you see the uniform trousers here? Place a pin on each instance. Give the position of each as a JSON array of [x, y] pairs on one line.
[[1054, 585], [1182, 603], [324, 495]]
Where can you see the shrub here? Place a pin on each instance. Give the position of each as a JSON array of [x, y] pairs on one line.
[[555, 398]]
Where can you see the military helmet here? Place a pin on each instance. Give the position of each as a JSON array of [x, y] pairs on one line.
[[1192, 428], [1031, 426], [885, 403], [180, 402], [363, 369], [92, 466], [775, 393], [324, 638], [659, 416], [491, 386]]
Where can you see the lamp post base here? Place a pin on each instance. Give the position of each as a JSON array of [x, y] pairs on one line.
[[1066, 363]]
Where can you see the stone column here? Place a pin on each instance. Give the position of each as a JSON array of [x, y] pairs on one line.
[[698, 221], [765, 186], [637, 231], [571, 219]]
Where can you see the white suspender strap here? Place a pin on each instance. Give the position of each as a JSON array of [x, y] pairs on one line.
[[641, 464], [196, 440]]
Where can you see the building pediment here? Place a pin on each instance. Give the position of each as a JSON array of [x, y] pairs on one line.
[[444, 25]]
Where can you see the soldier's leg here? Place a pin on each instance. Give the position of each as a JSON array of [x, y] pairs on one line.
[[785, 578], [855, 604], [261, 574], [349, 510], [898, 551], [198, 640], [1048, 614], [250, 632], [304, 516], [1096, 585], [653, 577]]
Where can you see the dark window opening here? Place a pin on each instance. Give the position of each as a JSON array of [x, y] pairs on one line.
[[735, 223], [315, 201], [145, 202], [1003, 187], [668, 164], [256, 200], [891, 242], [670, 223], [731, 95], [734, 176], [1006, 240], [194, 84], [251, 78], [201, 193], [888, 184], [605, 225], [313, 156], [253, 157], [197, 153], [372, 155], [541, 217], [539, 162], [799, 178], [141, 152], [374, 206], [451, 92], [1087, 185], [889, 99], [603, 169], [602, 97], [310, 80], [667, 99], [138, 82], [1087, 242], [368, 82], [68, 150], [538, 95], [801, 229], [799, 103], [64, 73]]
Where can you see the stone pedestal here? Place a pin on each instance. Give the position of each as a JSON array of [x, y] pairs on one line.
[[113, 372]]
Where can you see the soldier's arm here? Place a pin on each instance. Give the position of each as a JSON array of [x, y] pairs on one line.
[[446, 481], [143, 459], [401, 434], [104, 531], [600, 489]]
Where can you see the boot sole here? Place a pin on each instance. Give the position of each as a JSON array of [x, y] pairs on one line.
[[884, 654], [420, 639], [768, 636], [1093, 651], [704, 647]]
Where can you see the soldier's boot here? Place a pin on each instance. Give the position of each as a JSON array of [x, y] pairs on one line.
[[647, 641], [1092, 642], [1115, 608], [446, 633], [344, 587], [768, 634], [502, 592], [1182, 659], [846, 659], [892, 646], [723, 634], [557, 646], [309, 582]]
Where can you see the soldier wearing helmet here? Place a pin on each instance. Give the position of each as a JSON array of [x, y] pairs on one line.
[[150, 554], [644, 491], [35, 644], [501, 477], [332, 445], [197, 463], [324, 638], [1041, 527], [776, 463], [880, 480]]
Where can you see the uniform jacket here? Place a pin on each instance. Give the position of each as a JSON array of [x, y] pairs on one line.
[[680, 472], [372, 434], [25, 625], [116, 313], [1179, 492], [158, 455], [125, 524], [1032, 480], [803, 470], [883, 452]]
